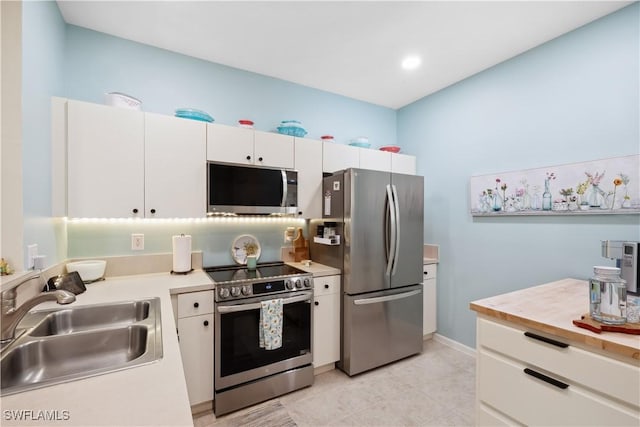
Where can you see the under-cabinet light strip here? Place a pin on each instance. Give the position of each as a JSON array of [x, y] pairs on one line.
[[216, 219]]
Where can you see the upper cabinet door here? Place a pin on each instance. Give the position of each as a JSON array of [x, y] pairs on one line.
[[175, 167], [375, 159], [229, 144], [273, 149], [105, 161], [307, 155], [336, 157], [403, 163]]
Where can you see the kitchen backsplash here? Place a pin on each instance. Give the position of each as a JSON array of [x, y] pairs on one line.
[[214, 236]]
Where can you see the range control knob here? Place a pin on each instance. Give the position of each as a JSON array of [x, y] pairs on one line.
[[307, 283], [289, 284], [246, 290], [298, 284], [223, 292], [235, 291]]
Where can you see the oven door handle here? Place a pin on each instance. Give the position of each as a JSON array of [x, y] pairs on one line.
[[246, 307]]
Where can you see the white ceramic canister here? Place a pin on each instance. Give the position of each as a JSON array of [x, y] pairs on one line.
[[608, 296]]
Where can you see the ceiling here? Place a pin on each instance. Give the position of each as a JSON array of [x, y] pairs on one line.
[[348, 48]]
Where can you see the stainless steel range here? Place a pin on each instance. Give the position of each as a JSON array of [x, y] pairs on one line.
[[245, 373]]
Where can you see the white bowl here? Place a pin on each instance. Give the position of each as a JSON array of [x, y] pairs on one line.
[[122, 100], [89, 270]]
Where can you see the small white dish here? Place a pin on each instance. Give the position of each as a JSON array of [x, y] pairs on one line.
[[89, 270]]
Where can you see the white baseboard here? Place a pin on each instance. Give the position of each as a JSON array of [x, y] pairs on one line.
[[455, 345]]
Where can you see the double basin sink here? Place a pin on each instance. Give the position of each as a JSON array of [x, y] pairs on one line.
[[56, 346]]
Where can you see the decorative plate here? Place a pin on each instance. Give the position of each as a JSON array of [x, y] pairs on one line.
[[245, 245]]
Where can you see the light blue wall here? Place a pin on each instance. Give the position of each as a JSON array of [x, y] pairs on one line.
[[43, 43], [575, 98], [97, 63]]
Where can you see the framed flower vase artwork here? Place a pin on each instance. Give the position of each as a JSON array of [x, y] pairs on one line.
[[598, 187]]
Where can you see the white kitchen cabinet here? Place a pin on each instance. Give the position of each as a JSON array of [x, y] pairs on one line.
[[274, 150], [125, 163], [375, 159], [307, 155], [195, 334], [105, 167], [174, 167], [530, 377], [403, 163], [230, 144], [326, 320], [429, 295], [337, 157]]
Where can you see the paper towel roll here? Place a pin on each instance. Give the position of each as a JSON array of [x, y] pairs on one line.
[[181, 254]]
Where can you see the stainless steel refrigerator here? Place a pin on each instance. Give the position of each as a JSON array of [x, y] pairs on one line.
[[379, 217]]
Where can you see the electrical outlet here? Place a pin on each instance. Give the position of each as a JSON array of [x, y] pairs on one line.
[[137, 242], [32, 252]]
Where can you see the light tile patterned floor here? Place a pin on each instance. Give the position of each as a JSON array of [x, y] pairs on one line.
[[434, 388]]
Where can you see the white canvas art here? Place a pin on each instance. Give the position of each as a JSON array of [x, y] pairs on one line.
[[606, 186]]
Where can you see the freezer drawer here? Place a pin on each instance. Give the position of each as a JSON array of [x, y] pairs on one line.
[[380, 327]]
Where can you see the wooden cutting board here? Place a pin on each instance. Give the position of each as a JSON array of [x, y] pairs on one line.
[[300, 247], [587, 322]]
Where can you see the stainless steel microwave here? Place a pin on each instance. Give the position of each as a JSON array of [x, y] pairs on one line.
[[251, 190]]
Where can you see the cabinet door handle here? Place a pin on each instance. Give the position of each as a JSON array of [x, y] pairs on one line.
[[196, 305], [153, 211], [135, 210], [316, 303], [545, 378], [206, 323], [248, 157], [326, 286], [426, 272], [547, 340], [259, 159]]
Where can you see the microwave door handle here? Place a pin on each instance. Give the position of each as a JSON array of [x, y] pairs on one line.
[[392, 215], [255, 306], [396, 206], [376, 300], [284, 188]]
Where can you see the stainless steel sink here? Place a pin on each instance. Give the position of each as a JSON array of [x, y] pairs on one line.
[[70, 320], [70, 344]]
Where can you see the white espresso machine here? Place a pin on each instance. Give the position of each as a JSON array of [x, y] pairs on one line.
[[626, 256]]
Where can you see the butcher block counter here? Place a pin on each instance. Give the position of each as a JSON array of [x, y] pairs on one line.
[[552, 308], [534, 367]]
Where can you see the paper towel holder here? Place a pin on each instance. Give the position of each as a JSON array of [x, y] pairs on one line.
[[181, 272]]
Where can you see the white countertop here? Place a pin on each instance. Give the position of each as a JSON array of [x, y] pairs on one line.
[[318, 270], [152, 395]]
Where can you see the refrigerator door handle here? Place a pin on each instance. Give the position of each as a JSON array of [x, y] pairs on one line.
[[396, 206], [393, 297], [392, 215]]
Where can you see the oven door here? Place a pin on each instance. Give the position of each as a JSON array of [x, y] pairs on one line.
[[238, 356]]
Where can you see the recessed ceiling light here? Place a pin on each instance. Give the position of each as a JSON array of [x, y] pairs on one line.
[[411, 62]]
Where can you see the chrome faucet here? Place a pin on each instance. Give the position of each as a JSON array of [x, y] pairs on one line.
[[11, 315]]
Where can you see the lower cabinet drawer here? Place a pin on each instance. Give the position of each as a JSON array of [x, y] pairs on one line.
[[195, 303], [504, 385], [326, 285], [486, 416], [604, 374]]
